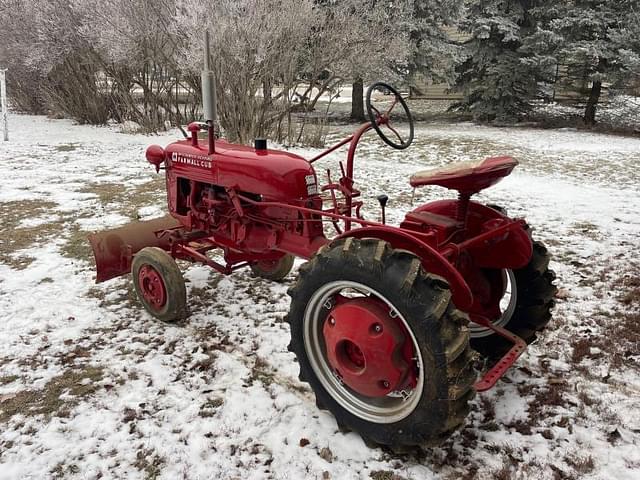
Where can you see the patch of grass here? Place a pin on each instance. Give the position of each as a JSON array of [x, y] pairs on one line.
[[587, 229], [504, 473], [631, 297], [77, 246], [149, 190], [106, 192], [201, 297], [620, 322], [150, 463], [522, 427], [127, 200], [149, 193], [581, 350], [210, 407], [261, 372], [546, 398], [67, 147], [70, 357], [14, 238], [206, 365], [17, 262], [62, 470], [210, 339], [4, 380], [385, 475], [47, 401], [628, 285], [125, 298], [581, 465], [488, 408]]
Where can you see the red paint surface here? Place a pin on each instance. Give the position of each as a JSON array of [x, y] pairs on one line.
[[258, 204]]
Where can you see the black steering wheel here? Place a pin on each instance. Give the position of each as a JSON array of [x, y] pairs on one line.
[[378, 119]]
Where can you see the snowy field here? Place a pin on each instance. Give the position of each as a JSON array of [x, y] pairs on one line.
[[92, 387]]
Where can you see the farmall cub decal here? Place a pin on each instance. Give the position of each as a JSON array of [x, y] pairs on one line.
[[199, 161]]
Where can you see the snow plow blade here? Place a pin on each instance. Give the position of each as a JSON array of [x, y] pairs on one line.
[[114, 249]]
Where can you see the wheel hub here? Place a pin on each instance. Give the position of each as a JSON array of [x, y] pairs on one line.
[[365, 347], [152, 287]]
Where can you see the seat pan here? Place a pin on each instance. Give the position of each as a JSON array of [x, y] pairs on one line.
[[467, 177]]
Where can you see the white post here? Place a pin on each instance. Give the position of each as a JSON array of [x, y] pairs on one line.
[[3, 102]]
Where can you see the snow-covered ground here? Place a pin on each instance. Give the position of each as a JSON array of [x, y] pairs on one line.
[[92, 387]]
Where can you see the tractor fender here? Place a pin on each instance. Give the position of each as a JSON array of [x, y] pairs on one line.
[[431, 260], [449, 208], [514, 251]]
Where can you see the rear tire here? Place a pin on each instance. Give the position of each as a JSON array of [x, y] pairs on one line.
[[275, 270], [535, 299], [437, 403], [159, 284]]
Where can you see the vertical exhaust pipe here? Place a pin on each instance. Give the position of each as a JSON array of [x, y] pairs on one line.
[[209, 94]]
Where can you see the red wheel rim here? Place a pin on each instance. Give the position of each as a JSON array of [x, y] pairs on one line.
[[405, 359], [152, 287], [368, 349]]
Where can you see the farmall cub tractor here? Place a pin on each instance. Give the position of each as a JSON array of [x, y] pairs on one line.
[[383, 318]]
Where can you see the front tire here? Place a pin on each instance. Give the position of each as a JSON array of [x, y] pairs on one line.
[[275, 270], [159, 284], [432, 348]]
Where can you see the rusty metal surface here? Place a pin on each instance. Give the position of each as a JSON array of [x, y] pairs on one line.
[[113, 249]]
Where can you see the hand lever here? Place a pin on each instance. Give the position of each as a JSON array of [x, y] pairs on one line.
[[383, 199]]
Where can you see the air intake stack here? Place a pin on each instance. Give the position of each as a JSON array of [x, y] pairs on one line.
[[209, 94]]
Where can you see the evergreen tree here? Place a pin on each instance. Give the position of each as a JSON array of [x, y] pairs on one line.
[[501, 70], [627, 38], [433, 53], [594, 45]]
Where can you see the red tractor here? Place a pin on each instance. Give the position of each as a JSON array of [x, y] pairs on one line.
[[383, 318]]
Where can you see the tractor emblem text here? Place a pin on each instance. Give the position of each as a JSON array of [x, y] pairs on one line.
[[201, 161]]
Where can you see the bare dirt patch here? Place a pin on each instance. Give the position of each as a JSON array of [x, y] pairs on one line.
[[75, 382]]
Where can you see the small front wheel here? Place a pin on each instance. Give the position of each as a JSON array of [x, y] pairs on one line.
[[159, 284], [275, 270]]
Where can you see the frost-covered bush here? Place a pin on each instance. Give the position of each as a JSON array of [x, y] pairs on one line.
[[274, 57], [140, 60]]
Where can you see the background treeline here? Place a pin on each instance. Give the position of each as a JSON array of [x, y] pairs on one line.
[[139, 60]]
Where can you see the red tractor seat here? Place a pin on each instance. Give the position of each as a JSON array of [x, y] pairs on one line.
[[468, 177]]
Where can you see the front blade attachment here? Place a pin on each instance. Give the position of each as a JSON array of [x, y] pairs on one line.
[[114, 249]]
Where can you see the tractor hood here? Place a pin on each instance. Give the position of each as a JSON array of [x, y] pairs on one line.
[[274, 174]]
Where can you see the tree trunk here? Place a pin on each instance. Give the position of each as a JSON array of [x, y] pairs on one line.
[[592, 103], [266, 92], [357, 103]]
